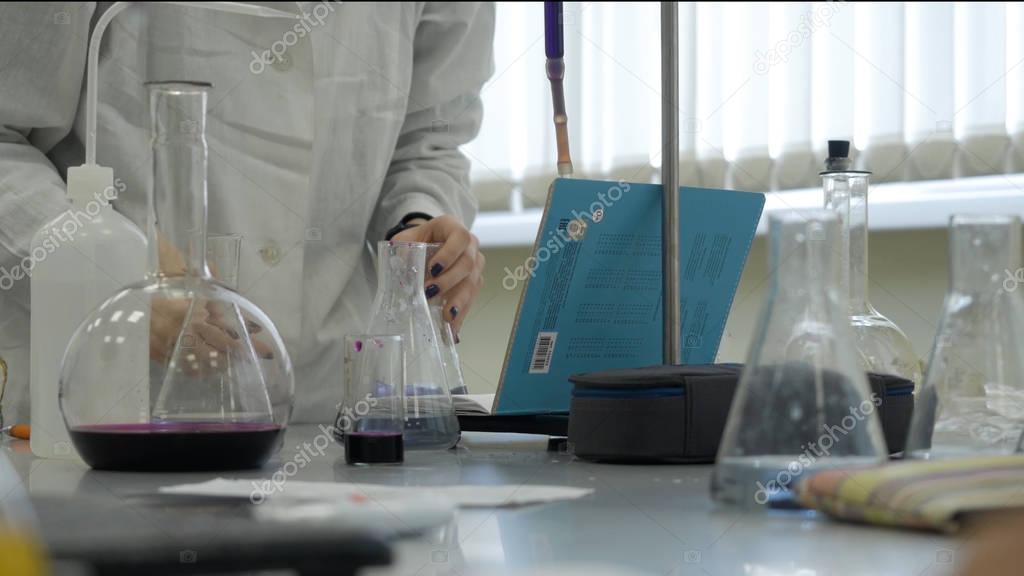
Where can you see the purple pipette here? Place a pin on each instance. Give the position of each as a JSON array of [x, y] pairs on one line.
[[554, 49]]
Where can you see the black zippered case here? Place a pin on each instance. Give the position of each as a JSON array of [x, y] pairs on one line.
[[678, 413]]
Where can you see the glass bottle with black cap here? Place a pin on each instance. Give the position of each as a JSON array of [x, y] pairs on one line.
[[881, 346]]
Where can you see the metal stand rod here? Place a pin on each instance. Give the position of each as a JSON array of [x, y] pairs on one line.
[[672, 351]]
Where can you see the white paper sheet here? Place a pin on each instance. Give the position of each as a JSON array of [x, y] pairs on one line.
[[462, 496], [473, 404]]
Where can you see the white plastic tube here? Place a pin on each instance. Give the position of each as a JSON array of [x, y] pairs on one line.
[[92, 65]]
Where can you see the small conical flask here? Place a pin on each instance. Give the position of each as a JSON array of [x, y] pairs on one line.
[[803, 402], [222, 255], [401, 308], [972, 399], [219, 380], [449, 354], [881, 346]]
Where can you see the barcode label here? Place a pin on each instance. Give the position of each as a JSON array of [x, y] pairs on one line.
[[543, 351]]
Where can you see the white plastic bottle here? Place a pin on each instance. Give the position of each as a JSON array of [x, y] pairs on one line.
[[80, 259]]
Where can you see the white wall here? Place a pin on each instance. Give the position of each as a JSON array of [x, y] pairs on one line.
[[908, 281]]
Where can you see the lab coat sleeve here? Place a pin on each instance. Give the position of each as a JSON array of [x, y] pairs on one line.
[[44, 51], [452, 58]]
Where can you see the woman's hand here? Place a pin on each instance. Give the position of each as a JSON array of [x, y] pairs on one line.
[[203, 337], [455, 274], [213, 329]]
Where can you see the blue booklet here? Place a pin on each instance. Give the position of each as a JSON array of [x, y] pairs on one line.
[[592, 296]]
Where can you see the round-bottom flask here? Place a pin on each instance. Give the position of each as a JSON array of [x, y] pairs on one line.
[[215, 370], [882, 347]]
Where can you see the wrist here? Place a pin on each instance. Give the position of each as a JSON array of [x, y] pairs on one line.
[[410, 220]]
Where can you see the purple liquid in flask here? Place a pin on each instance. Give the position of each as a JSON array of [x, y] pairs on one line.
[[176, 446], [374, 448]]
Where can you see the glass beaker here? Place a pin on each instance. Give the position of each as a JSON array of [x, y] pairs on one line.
[[219, 380], [803, 403], [449, 355], [881, 346], [371, 417], [400, 307], [972, 399], [223, 252]]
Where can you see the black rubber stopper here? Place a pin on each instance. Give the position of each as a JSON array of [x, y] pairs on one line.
[[838, 148]]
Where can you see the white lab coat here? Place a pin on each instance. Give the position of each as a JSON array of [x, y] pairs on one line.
[[313, 155]]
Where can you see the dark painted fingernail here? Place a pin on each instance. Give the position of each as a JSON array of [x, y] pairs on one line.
[[457, 340], [432, 291], [232, 333], [455, 312], [267, 355], [436, 269]]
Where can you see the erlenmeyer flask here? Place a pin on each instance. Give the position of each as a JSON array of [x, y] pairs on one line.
[[803, 403], [972, 400], [400, 307], [219, 378], [449, 355], [882, 347], [222, 255]]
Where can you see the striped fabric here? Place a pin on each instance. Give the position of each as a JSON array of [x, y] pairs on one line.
[[936, 496]]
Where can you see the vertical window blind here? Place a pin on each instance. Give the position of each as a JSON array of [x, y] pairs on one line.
[[924, 90]]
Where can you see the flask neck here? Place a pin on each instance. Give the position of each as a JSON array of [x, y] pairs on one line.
[[985, 255], [846, 194], [400, 274], [177, 202], [807, 267]]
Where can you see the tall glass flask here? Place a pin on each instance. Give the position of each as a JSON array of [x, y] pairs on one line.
[[449, 354], [803, 402], [972, 399], [219, 379], [454, 380], [881, 346], [401, 308]]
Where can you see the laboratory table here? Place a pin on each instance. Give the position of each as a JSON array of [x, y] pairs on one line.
[[654, 519]]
